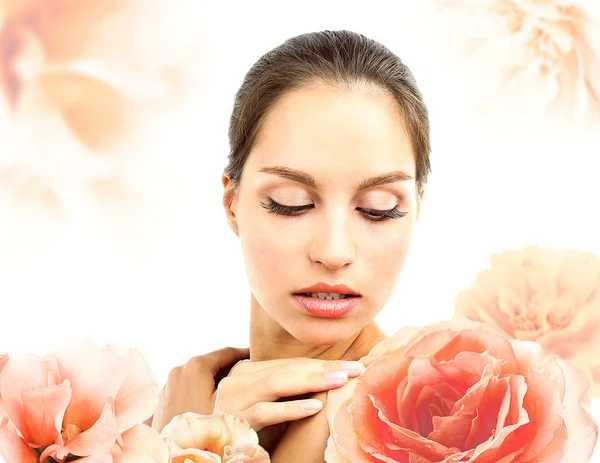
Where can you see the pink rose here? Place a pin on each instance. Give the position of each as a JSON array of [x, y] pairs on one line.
[[461, 391], [73, 402], [220, 438], [543, 295]]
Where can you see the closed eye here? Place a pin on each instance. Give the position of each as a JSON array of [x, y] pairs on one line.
[[374, 215], [377, 215], [280, 209]]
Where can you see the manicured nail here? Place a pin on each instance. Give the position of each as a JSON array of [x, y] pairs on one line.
[[356, 367], [336, 375], [311, 405]]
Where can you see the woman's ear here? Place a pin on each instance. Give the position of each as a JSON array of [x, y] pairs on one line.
[[229, 196], [419, 199]]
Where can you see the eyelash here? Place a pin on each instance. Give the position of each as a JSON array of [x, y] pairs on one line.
[[373, 215]]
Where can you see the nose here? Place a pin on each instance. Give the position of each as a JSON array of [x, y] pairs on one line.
[[332, 245]]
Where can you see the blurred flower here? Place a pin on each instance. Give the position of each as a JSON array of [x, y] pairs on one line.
[[543, 295], [219, 438], [461, 391], [73, 402], [89, 61], [80, 83], [541, 53]]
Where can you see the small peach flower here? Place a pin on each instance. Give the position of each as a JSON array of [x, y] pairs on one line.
[[544, 295], [220, 438], [461, 391]]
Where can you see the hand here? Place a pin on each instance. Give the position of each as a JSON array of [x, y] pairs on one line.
[[192, 387], [253, 391], [314, 431]]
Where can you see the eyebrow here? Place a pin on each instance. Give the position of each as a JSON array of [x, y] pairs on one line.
[[309, 180]]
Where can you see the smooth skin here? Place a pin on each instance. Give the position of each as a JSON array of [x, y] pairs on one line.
[[317, 146]]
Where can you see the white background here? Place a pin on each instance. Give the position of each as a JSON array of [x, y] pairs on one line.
[[171, 281]]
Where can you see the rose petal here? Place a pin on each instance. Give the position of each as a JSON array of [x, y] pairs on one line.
[[63, 26], [44, 410], [344, 438], [142, 444], [3, 359], [97, 114], [213, 432], [12, 447], [482, 305], [100, 373], [194, 455], [583, 430], [394, 344], [381, 379], [246, 452], [96, 439], [333, 455], [139, 394], [102, 456], [22, 375]]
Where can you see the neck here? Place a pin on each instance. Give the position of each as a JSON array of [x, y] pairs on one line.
[[269, 341]]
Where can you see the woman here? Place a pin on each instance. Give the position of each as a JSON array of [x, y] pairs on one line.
[[329, 155]]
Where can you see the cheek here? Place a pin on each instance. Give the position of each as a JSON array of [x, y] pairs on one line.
[[268, 251], [385, 254]]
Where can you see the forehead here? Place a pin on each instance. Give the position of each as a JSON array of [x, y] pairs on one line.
[[330, 126]]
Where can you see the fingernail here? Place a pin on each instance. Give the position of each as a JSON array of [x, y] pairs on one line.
[[312, 405], [336, 375], [353, 366]]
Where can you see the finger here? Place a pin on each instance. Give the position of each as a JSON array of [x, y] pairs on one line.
[[305, 365], [265, 414], [251, 367], [236, 365], [276, 383]]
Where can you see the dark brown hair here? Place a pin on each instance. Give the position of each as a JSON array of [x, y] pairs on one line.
[[336, 57]]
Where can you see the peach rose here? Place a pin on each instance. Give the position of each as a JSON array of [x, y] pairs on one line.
[[543, 295], [219, 438], [461, 391], [540, 54], [74, 402]]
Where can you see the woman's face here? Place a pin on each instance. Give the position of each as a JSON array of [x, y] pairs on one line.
[[303, 216]]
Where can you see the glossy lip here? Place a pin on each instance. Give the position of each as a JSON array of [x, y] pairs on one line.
[[322, 308], [326, 288]]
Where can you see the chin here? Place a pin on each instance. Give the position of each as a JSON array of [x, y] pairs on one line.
[[323, 336]]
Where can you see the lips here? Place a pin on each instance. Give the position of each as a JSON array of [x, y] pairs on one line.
[[327, 288], [327, 307]]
